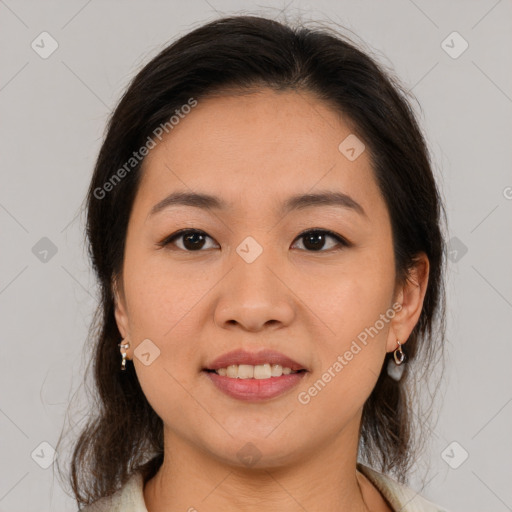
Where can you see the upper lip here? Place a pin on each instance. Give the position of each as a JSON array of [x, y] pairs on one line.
[[241, 356]]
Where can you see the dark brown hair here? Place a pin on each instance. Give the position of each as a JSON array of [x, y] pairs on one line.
[[123, 433]]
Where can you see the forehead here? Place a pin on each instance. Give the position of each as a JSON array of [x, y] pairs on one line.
[[256, 147]]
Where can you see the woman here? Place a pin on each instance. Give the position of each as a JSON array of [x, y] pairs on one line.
[[266, 230]]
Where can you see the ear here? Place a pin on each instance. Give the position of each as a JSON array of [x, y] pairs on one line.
[[410, 296], [120, 310]]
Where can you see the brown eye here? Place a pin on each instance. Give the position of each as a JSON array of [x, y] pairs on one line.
[[315, 240], [191, 240]]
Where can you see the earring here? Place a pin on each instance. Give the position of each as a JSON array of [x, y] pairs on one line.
[[398, 354], [123, 354], [394, 369]]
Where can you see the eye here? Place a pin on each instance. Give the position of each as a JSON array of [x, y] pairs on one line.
[[194, 240], [314, 240]]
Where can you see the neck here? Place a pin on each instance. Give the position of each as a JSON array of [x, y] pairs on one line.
[[324, 479]]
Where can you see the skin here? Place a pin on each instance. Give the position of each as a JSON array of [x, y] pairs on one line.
[[255, 150]]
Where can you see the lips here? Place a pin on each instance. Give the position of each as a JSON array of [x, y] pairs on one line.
[[240, 356]]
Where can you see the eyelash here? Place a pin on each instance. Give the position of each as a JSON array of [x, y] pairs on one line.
[[342, 242]]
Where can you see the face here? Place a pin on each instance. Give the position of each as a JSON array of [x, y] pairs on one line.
[[314, 282]]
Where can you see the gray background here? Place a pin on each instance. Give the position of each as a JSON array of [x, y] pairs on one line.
[[53, 113]]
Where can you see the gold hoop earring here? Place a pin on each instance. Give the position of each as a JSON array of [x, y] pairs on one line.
[[398, 354], [123, 354]]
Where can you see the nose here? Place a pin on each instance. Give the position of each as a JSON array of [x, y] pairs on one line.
[[254, 296]]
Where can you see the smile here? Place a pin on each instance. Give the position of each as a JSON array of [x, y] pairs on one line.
[[249, 371], [254, 389]]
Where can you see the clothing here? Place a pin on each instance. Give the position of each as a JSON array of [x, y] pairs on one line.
[[130, 497]]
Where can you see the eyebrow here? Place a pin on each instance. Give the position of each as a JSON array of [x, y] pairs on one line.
[[297, 202]]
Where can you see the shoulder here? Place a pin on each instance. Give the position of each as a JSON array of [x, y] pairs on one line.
[[400, 497], [129, 498]]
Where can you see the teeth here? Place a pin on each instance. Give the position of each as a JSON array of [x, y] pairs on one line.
[[276, 370], [232, 371], [245, 371], [259, 371], [262, 371]]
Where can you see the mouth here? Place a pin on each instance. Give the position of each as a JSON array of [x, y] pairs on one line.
[[254, 376], [259, 371]]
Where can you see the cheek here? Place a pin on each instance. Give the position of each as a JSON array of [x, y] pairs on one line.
[[351, 350], [161, 309], [161, 306], [161, 295], [354, 307], [350, 297]]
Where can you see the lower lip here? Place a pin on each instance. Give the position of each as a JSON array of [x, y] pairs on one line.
[[254, 390]]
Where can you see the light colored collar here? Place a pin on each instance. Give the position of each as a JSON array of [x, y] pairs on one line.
[[400, 497]]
